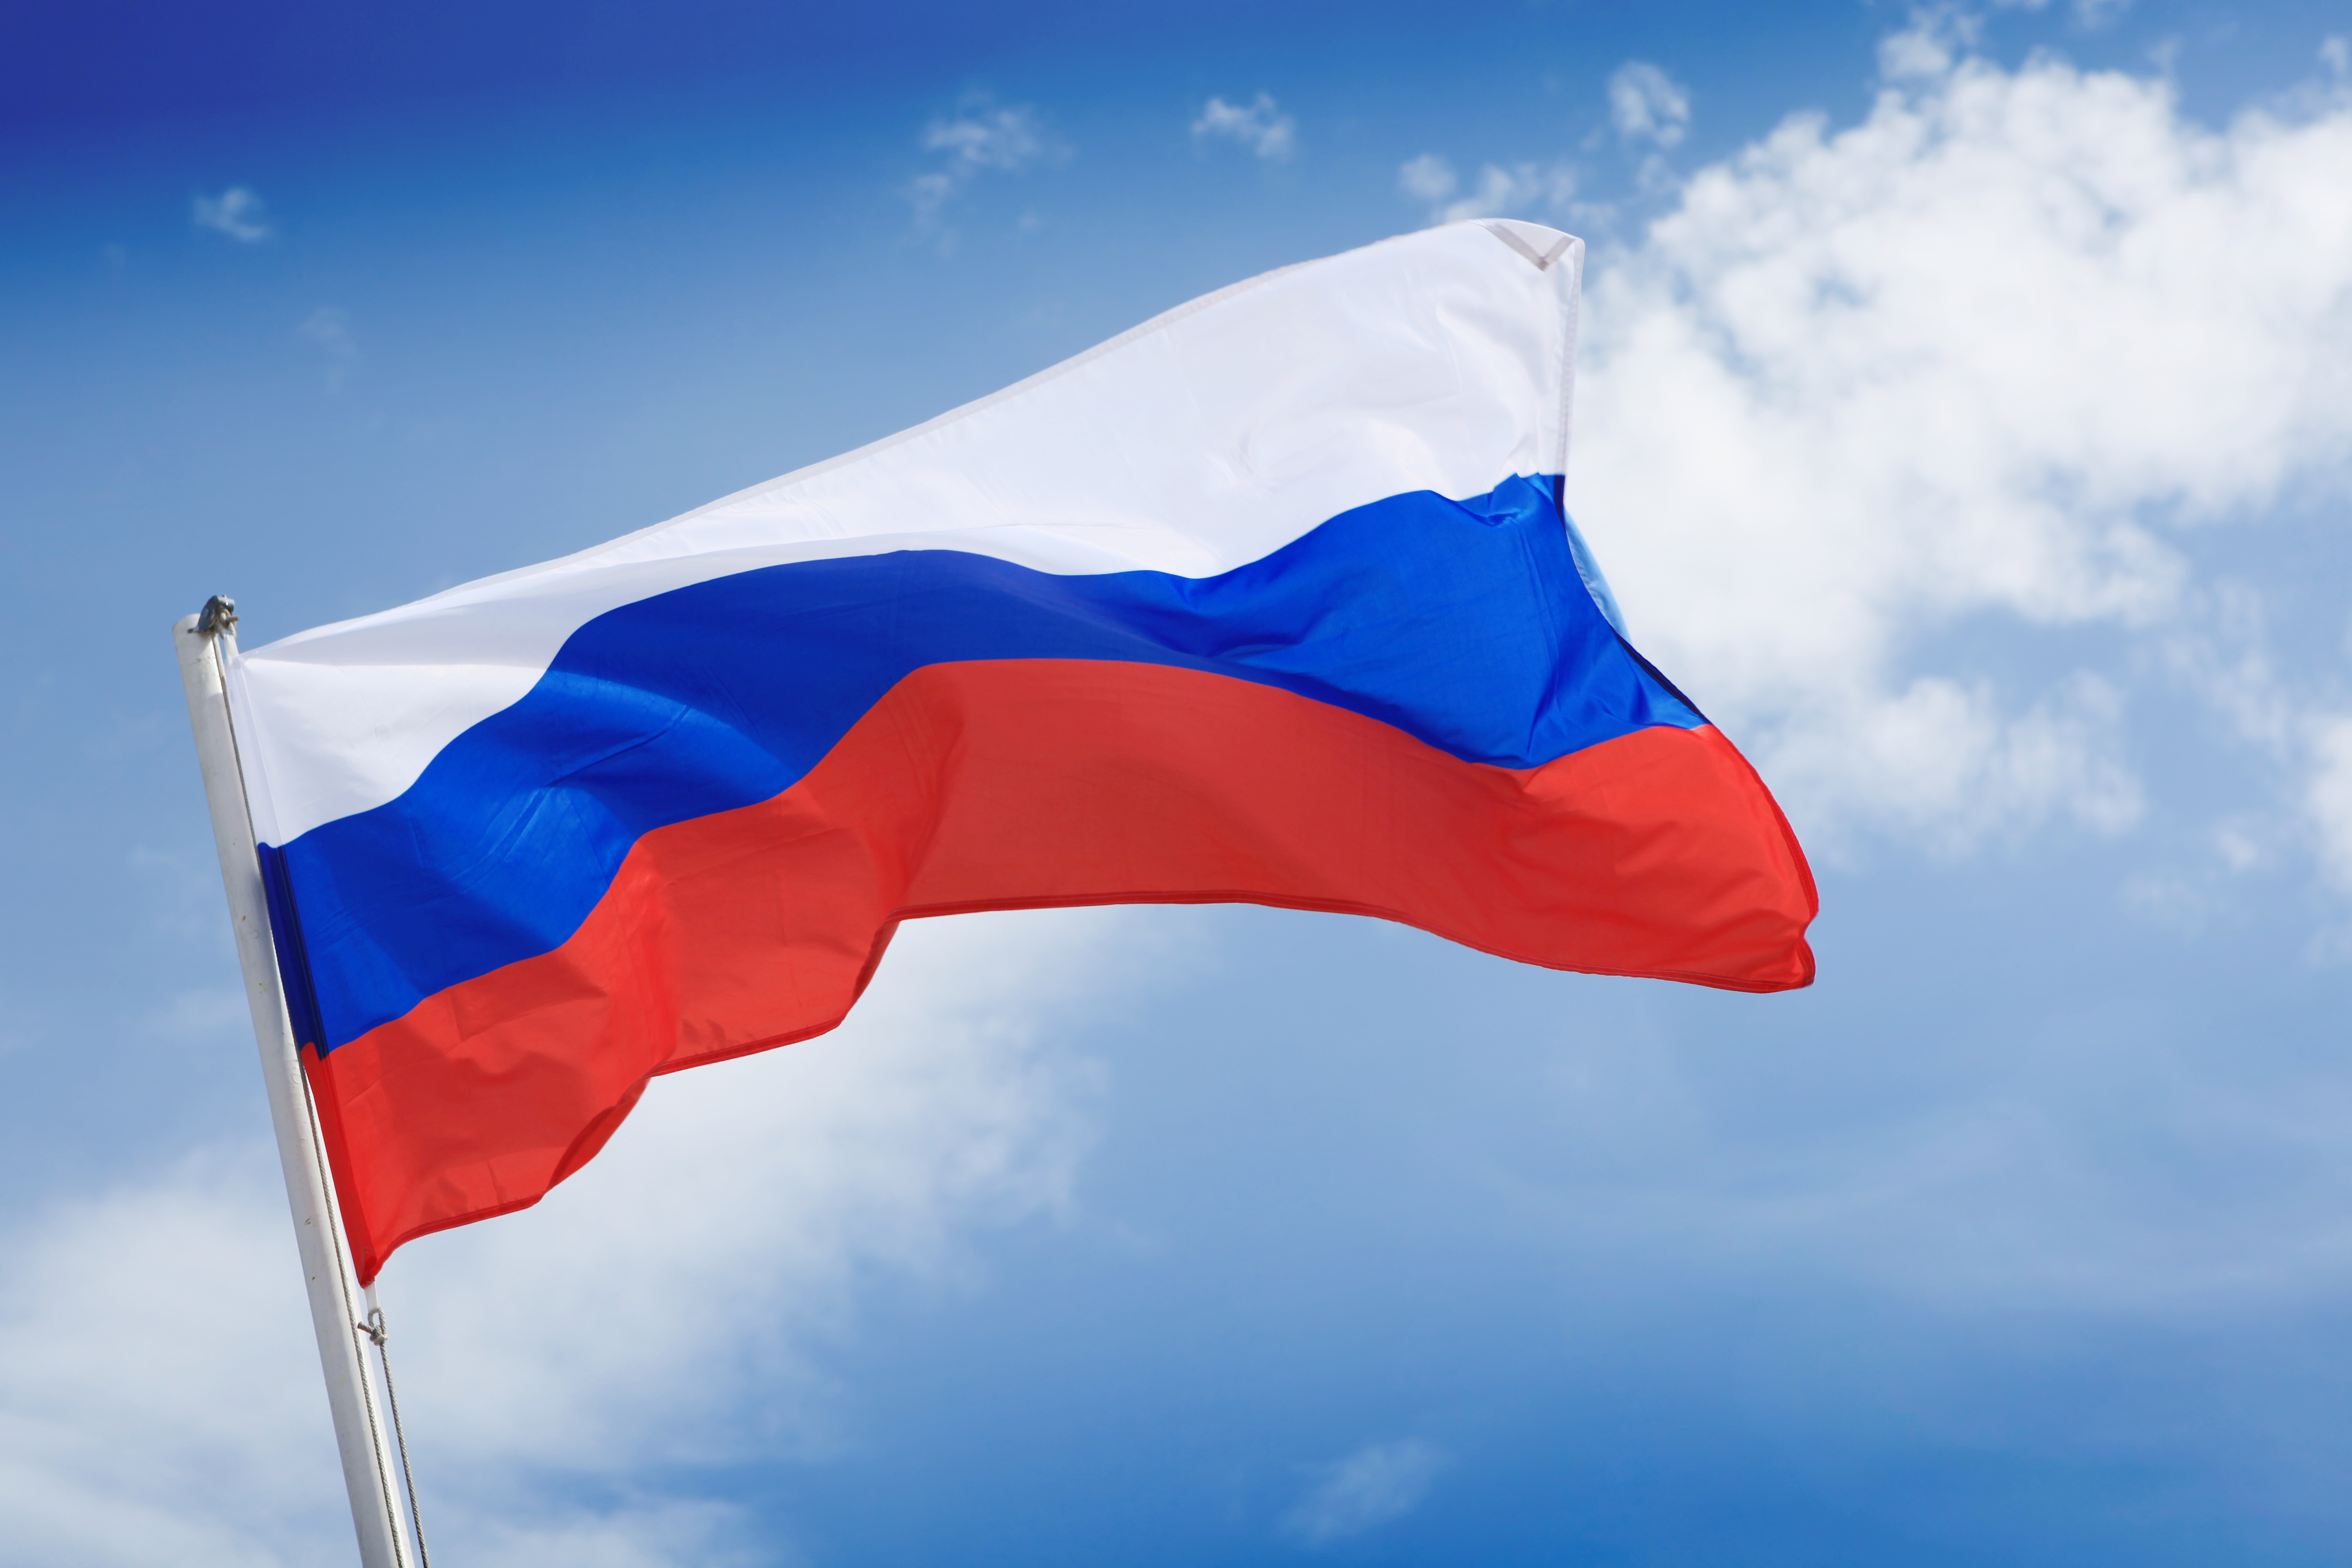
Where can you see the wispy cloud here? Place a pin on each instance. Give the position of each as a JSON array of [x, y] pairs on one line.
[[237, 212], [329, 330], [980, 137], [1376, 1485], [2327, 797], [2089, 14], [1259, 125], [1521, 190], [1427, 178], [1936, 40], [1645, 104], [329, 327]]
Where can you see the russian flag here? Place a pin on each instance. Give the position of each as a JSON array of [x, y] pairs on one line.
[[1270, 600]]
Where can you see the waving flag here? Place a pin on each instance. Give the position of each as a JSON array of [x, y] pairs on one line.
[[1270, 600]]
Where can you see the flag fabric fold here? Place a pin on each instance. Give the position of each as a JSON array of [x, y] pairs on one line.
[[1272, 599]]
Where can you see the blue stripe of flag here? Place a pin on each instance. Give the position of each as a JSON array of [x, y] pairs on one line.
[[1464, 623]]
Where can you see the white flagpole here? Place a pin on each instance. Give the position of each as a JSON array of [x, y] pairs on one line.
[[371, 1467]]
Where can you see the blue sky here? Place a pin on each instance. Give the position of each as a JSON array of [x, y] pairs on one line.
[[1963, 423]]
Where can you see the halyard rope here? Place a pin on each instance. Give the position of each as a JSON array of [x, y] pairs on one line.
[[373, 1327]]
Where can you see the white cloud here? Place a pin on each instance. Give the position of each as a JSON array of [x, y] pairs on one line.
[[1376, 1485], [671, 1305], [981, 137], [1941, 764], [1523, 190], [1973, 363], [237, 212], [2223, 656], [2327, 797], [1645, 104], [1428, 178], [2089, 14], [158, 1382], [1938, 36], [1258, 125]]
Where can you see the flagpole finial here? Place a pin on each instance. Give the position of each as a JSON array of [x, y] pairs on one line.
[[218, 615]]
